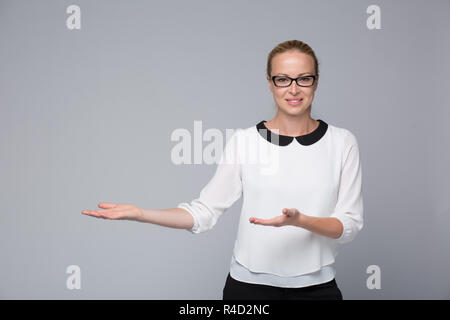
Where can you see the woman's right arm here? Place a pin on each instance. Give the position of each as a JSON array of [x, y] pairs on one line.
[[173, 218], [200, 214]]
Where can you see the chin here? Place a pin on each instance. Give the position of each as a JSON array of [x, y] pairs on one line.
[[294, 110]]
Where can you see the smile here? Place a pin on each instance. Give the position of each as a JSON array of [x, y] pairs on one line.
[[293, 102]]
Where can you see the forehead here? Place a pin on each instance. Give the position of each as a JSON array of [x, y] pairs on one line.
[[293, 63]]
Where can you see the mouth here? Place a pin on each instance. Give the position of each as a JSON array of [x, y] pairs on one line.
[[294, 102]]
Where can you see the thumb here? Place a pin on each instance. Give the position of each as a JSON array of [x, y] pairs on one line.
[[289, 212], [106, 205]]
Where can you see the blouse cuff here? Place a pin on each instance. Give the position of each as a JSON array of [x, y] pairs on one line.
[[185, 206], [346, 223]]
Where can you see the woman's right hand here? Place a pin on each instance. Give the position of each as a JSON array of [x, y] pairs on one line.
[[120, 211]]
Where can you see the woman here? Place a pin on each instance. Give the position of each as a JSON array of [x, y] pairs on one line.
[[311, 178]]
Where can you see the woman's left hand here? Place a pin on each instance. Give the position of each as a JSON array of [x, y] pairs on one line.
[[290, 217]]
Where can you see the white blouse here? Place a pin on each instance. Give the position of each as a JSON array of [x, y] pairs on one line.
[[318, 173]]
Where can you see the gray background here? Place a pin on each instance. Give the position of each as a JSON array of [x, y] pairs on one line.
[[86, 117]]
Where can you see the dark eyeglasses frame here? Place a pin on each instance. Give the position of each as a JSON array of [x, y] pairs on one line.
[[292, 79]]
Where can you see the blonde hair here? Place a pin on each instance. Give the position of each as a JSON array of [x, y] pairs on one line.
[[292, 45]]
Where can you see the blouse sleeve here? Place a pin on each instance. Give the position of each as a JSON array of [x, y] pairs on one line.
[[349, 206], [224, 189]]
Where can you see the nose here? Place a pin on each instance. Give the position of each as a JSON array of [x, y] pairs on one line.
[[294, 88]]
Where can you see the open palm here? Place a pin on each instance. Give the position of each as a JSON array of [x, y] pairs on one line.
[[289, 217]]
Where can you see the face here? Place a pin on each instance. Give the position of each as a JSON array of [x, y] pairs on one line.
[[292, 63]]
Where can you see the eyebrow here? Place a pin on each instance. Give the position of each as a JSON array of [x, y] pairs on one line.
[[283, 74]]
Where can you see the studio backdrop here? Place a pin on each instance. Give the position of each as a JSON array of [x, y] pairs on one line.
[[92, 94]]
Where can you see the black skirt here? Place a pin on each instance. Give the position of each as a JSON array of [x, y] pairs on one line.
[[238, 290]]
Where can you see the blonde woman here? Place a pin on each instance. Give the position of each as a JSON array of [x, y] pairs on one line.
[[294, 216]]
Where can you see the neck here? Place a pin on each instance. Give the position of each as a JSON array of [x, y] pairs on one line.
[[292, 125]]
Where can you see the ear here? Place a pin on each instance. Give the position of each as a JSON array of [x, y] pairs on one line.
[[316, 83], [270, 83]]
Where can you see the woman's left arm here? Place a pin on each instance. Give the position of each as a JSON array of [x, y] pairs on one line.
[[346, 220], [325, 226], [349, 207]]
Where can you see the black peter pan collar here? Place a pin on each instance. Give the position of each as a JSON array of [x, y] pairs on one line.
[[305, 140]]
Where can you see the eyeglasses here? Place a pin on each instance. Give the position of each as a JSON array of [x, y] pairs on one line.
[[302, 81]]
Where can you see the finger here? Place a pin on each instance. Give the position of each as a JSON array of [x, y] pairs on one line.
[[109, 214], [105, 214], [265, 222], [91, 213]]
